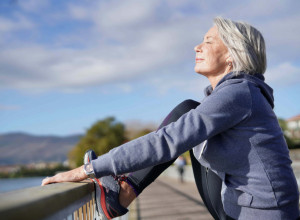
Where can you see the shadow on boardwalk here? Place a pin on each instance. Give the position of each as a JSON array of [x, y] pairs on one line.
[[166, 198]]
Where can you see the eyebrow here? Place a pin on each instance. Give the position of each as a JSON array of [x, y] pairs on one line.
[[208, 37]]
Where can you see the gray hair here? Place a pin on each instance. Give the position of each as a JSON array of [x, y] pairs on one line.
[[245, 44]]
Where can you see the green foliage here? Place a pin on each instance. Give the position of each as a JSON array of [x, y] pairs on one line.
[[142, 133], [290, 142], [187, 156], [101, 137], [282, 124]]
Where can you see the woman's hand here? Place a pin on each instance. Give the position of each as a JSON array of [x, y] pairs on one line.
[[74, 175]]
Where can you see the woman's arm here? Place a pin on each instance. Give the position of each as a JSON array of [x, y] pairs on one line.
[[220, 111]]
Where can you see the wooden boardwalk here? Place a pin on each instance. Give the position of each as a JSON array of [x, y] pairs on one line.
[[167, 198]]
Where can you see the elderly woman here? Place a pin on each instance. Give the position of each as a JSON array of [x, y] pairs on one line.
[[234, 135]]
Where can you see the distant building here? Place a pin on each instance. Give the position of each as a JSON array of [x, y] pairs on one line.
[[293, 125]]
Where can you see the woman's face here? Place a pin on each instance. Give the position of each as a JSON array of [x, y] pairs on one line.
[[211, 54]]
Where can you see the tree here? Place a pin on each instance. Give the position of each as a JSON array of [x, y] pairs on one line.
[[283, 126], [142, 133], [101, 137]]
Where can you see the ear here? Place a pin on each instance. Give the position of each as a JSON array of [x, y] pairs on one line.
[[229, 59]]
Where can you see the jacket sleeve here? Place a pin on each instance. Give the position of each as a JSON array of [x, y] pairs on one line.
[[222, 110]]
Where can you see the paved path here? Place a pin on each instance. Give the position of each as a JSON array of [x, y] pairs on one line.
[[166, 198]]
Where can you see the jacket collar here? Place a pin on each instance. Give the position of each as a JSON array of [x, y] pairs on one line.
[[240, 75]]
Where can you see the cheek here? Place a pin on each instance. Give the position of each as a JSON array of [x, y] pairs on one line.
[[217, 58], [210, 55], [210, 61]]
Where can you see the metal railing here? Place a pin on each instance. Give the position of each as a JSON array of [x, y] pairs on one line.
[[66, 201]]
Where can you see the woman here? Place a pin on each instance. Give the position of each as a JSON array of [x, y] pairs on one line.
[[233, 132]]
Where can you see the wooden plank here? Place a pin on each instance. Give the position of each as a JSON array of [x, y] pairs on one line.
[[88, 211], [92, 209], [76, 215], [84, 212], [80, 213]]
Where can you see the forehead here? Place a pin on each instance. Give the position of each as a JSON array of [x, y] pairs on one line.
[[212, 32]]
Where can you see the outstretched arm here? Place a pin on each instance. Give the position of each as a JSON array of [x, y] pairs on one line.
[[226, 107], [74, 175]]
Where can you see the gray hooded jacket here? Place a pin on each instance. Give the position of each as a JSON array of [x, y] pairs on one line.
[[244, 145]]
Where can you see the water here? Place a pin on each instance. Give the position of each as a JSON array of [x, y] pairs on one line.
[[10, 184]]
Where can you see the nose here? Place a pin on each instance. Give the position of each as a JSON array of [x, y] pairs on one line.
[[198, 48]]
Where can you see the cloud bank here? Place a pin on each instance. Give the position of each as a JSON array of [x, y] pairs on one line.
[[75, 45]]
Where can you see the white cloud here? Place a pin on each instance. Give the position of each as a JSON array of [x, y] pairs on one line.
[[145, 50], [125, 13], [285, 74], [34, 5], [78, 12], [282, 38], [185, 84], [19, 22], [256, 9], [129, 40], [114, 14]]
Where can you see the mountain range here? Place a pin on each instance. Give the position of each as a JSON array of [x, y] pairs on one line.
[[22, 148]]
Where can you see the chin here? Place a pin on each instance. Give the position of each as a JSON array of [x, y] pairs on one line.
[[200, 72], [197, 70]]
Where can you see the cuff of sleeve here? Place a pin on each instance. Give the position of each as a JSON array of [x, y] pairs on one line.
[[102, 166]]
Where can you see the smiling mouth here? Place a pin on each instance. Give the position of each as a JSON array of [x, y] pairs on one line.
[[198, 60]]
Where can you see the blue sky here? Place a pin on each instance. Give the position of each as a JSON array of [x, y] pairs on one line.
[[66, 64]]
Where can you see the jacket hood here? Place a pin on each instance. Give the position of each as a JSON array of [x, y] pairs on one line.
[[257, 79]]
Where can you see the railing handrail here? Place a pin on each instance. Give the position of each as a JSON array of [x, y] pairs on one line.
[[42, 202]]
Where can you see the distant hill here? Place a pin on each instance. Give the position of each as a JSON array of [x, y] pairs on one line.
[[21, 148]]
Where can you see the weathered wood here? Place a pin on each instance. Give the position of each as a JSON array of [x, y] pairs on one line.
[[92, 208], [76, 215], [42, 202], [80, 213]]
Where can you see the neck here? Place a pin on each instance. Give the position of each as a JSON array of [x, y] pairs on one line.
[[214, 79]]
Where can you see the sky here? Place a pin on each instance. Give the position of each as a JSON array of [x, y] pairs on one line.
[[66, 64]]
